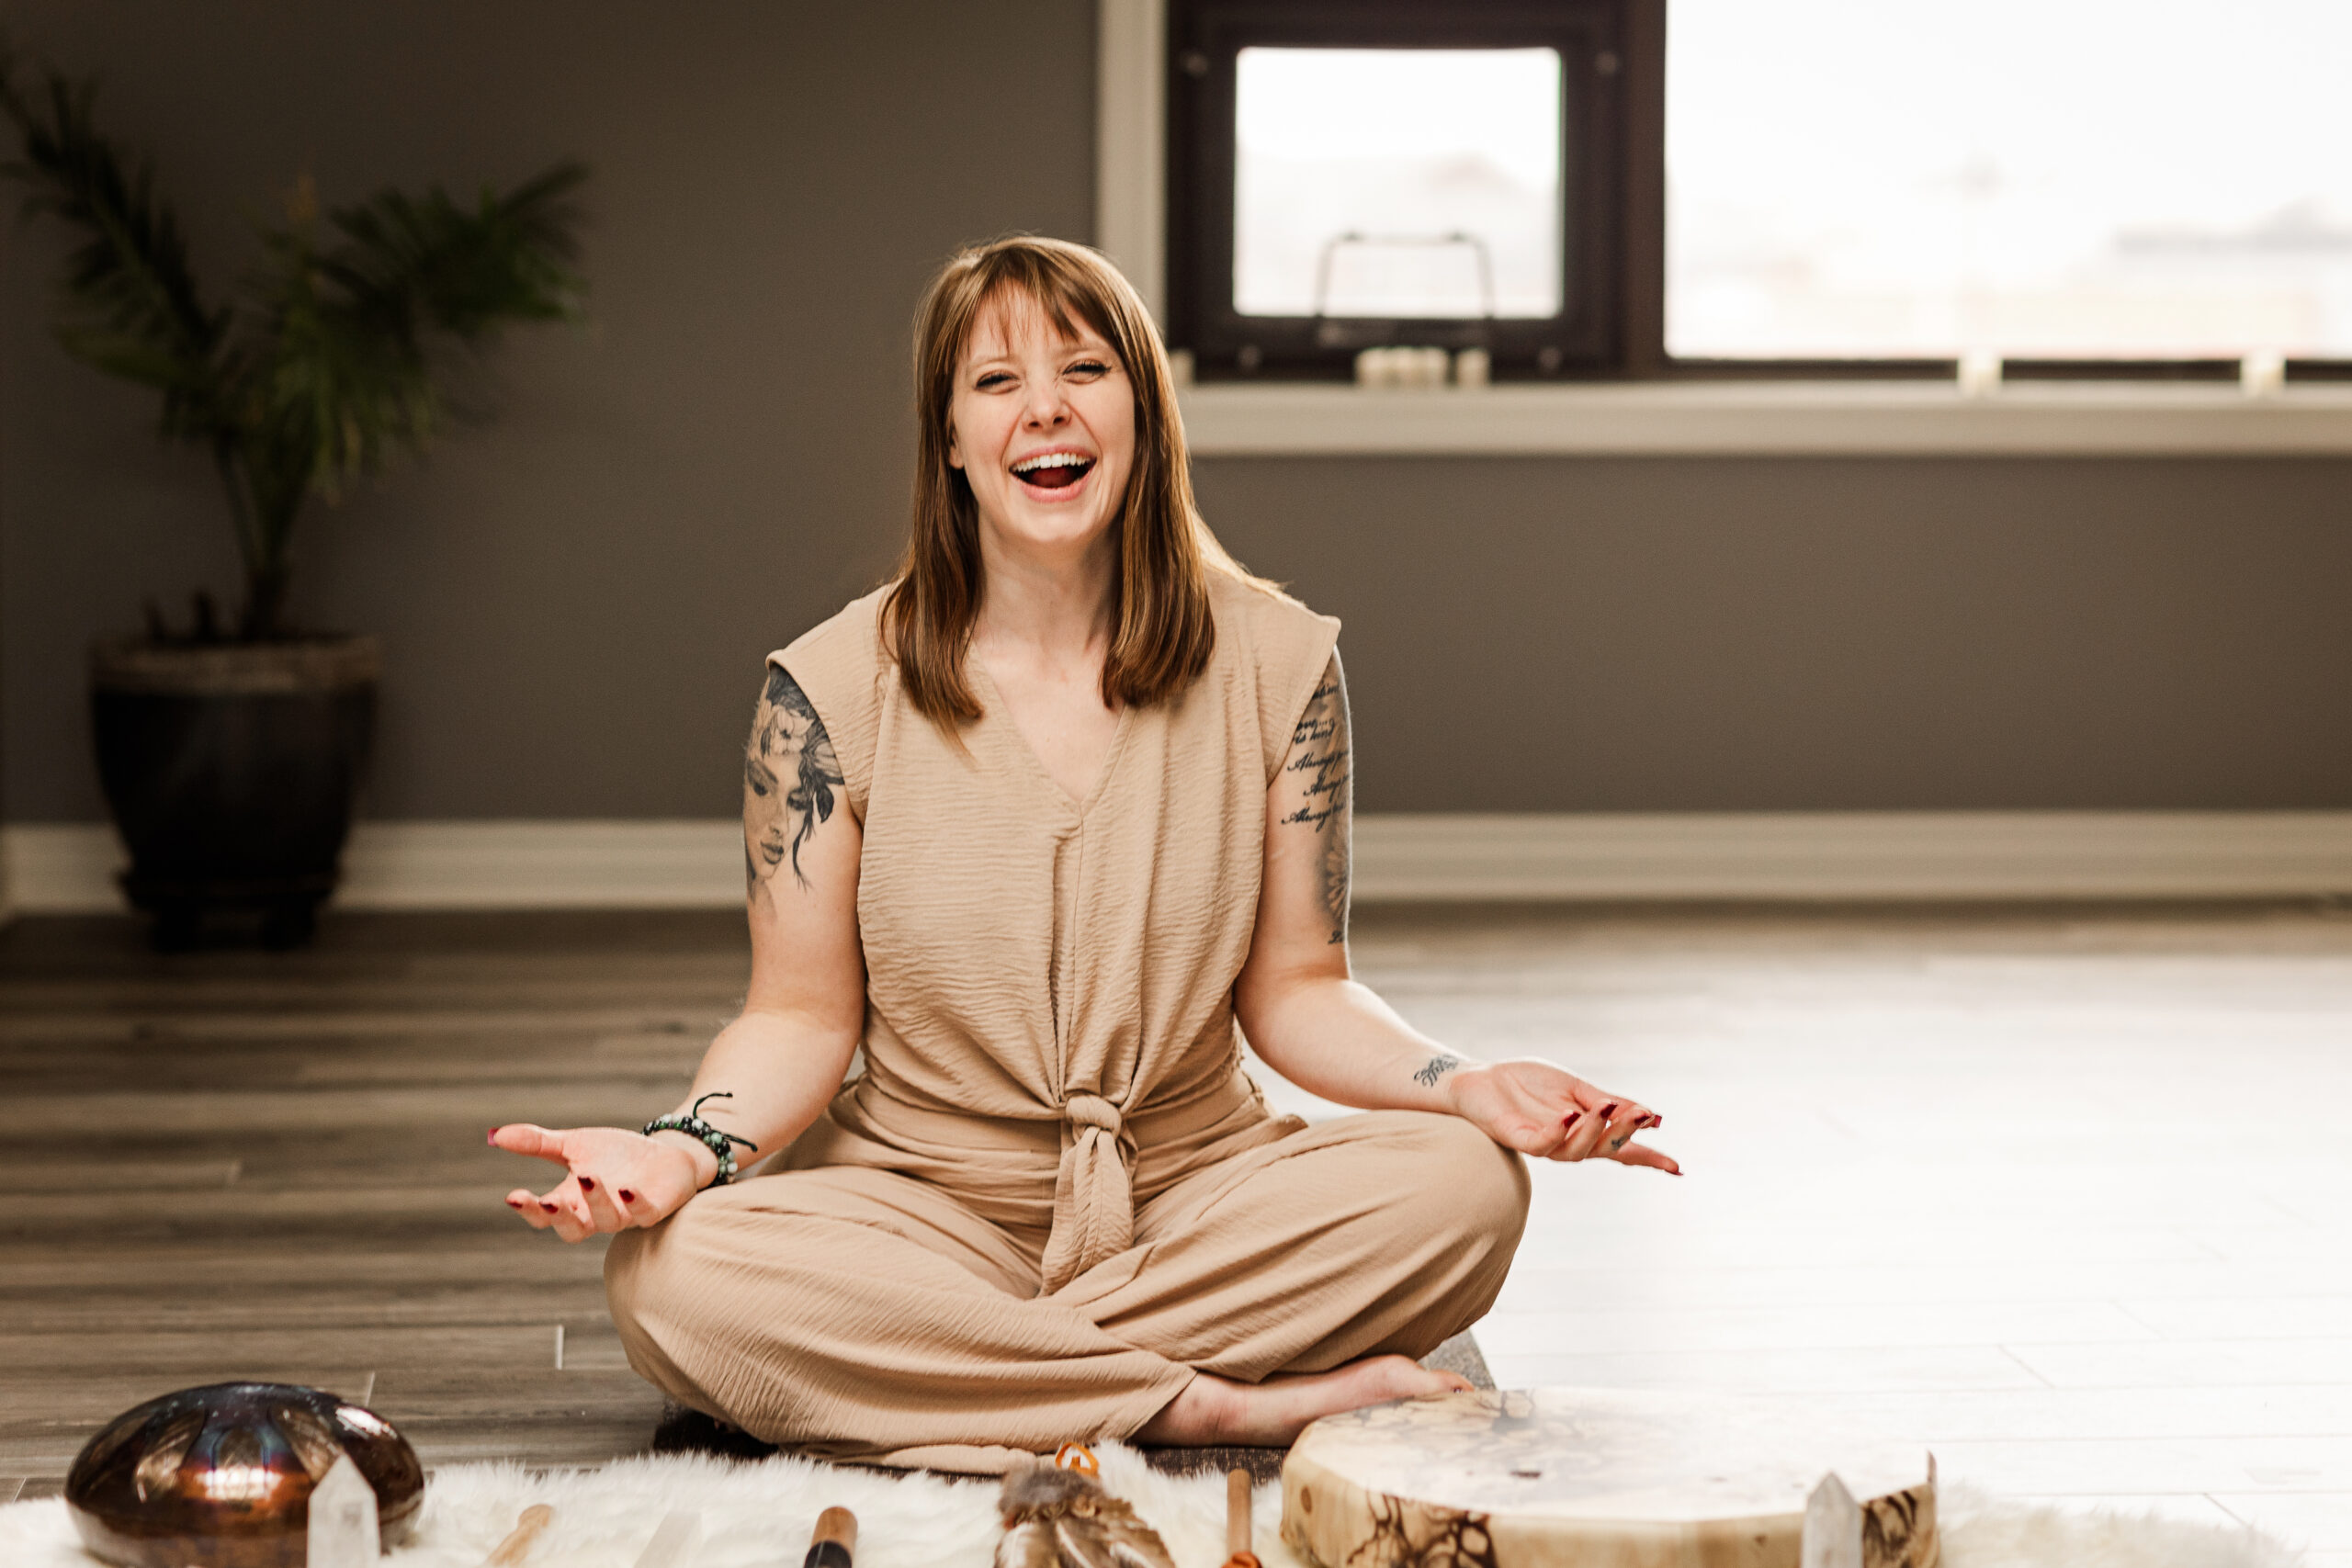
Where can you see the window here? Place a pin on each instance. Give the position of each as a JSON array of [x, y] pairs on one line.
[[2060, 179], [1709, 187], [1349, 175], [1405, 184]]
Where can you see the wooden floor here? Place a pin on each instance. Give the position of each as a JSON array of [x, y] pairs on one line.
[[2065, 1194]]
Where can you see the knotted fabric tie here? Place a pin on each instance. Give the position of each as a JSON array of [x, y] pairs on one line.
[[1094, 1216]]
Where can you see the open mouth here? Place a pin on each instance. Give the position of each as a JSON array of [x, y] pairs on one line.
[[1053, 471]]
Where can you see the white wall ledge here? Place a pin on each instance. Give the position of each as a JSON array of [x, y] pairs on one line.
[[1768, 419]]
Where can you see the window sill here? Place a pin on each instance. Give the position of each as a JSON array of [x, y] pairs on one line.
[[1770, 418]]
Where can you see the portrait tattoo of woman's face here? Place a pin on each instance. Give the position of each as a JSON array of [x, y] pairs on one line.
[[790, 777]]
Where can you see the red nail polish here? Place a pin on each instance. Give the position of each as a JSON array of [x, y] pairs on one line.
[[627, 1196], [1574, 1117], [549, 1207], [493, 1138], [513, 1202], [1608, 1110], [586, 1185]]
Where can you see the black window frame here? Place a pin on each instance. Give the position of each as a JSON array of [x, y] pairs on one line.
[[1621, 246], [1205, 38]]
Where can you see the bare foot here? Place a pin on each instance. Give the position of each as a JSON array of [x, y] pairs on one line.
[[1213, 1410]]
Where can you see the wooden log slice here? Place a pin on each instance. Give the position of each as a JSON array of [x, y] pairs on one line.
[[1594, 1478]]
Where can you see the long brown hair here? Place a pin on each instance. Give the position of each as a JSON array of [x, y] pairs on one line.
[[1161, 631]]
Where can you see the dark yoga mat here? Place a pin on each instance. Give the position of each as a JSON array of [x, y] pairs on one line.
[[682, 1430]]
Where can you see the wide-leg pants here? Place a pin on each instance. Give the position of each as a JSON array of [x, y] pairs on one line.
[[864, 1314]]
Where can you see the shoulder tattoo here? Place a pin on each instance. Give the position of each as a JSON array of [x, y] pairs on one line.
[[791, 780], [1321, 762]]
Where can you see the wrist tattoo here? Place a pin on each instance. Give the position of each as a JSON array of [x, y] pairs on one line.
[[1435, 1069]]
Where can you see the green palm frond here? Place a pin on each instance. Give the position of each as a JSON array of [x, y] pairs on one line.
[[336, 393], [352, 326], [128, 302], [413, 262]]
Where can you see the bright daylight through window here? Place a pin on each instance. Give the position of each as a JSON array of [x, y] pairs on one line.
[[1404, 183], [2029, 178]]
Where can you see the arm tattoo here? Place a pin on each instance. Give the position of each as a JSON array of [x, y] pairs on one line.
[[1321, 755], [1435, 1069], [787, 739]]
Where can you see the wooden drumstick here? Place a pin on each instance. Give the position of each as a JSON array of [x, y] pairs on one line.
[[525, 1534], [675, 1540], [1236, 1521], [833, 1540]]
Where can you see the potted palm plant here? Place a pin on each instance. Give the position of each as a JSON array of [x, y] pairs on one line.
[[231, 748]]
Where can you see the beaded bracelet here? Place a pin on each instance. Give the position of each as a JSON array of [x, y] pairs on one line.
[[719, 1142]]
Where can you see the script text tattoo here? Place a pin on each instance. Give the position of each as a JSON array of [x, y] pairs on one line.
[[788, 741], [1323, 751]]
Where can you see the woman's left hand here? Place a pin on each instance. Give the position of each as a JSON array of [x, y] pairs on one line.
[[1549, 1113]]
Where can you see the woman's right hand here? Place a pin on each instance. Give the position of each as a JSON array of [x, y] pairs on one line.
[[616, 1179]]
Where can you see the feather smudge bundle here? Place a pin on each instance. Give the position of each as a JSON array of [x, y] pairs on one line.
[[1060, 1519]]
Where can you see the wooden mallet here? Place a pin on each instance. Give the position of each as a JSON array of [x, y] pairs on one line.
[[1236, 1521]]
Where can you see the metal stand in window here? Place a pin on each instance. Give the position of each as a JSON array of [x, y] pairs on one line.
[[1397, 365]]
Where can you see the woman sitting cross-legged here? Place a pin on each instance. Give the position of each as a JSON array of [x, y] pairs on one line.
[[1037, 825]]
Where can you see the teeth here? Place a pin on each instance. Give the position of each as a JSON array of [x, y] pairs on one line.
[[1052, 460]]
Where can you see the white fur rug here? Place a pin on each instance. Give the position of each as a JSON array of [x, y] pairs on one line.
[[758, 1515]]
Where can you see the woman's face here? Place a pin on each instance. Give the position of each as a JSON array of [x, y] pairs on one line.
[[1043, 425]]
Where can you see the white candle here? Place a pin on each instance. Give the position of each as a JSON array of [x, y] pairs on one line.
[[1980, 373], [2263, 373]]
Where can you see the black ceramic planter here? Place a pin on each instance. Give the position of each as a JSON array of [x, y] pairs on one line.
[[231, 771]]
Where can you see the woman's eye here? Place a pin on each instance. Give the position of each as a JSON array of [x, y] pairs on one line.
[[992, 380]]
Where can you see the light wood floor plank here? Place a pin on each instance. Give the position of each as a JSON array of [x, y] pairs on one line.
[[2099, 1414], [2185, 1363], [224, 1354], [1830, 1327], [1936, 1368]]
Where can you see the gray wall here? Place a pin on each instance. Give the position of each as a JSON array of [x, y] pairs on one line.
[[1800, 635], [575, 598]]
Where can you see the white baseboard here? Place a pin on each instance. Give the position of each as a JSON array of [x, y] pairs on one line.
[[60, 868], [69, 868], [1858, 855]]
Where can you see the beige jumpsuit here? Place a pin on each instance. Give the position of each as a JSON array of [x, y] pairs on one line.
[[1053, 1195]]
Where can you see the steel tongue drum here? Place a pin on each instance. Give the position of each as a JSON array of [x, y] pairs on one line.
[[222, 1476]]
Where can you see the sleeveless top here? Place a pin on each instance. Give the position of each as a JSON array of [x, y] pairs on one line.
[[1049, 982]]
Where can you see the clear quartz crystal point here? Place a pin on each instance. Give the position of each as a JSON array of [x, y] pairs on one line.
[[1833, 1527], [342, 1519], [674, 1539]]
